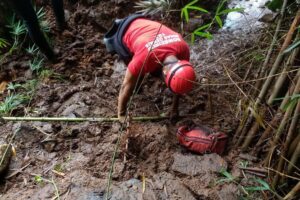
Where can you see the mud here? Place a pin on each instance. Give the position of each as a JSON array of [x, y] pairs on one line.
[[77, 156]]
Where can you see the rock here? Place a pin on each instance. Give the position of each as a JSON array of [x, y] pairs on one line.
[[198, 164], [5, 156]]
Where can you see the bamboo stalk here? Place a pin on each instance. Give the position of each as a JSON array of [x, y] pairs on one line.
[[287, 114], [294, 157], [89, 119], [289, 138], [282, 78], [293, 192], [282, 125], [274, 40], [273, 124], [278, 60], [293, 146], [278, 85], [242, 129]]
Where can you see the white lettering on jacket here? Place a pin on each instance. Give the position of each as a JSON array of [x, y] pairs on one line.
[[162, 39]]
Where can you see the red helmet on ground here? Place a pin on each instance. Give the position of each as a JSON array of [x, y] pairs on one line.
[[180, 78]]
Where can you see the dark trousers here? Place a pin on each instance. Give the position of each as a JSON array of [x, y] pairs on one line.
[[25, 10]]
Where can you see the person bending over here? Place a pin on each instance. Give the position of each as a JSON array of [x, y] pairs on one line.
[[150, 47]]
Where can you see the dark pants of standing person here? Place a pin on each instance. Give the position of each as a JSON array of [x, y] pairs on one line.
[[25, 9]]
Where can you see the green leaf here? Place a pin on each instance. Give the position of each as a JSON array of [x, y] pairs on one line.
[[191, 3], [220, 6], [219, 21], [186, 15], [3, 43], [202, 27], [263, 183], [197, 8], [263, 186], [255, 188], [226, 11], [204, 34], [292, 47], [274, 4], [193, 38]]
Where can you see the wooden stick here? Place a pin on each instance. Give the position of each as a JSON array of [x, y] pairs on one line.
[[282, 125], [278, 60], [287, 143], [89, 119], [294, 157], [278, 85], [275, 121], [274, 41], [293, 192]]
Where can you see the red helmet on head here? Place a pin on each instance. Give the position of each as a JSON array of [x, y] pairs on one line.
[[180, 78]]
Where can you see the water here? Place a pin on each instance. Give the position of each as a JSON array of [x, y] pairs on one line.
[[249, 19]]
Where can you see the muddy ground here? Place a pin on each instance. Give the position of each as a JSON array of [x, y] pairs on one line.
[[77, 156]]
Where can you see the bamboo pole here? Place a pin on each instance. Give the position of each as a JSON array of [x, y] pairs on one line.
[[282, 125], [287, 143], [273, 124], [87, 119], [278, 60], [294, 157], [243, 128], [278, 85], [274, 40], [282, 78], [293, 146], [293, 192]]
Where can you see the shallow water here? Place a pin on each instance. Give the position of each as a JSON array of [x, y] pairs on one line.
[[249, 19]]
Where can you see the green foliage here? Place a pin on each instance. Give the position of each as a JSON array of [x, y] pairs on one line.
[[292, 47], [228, 177], [32, 49], [264, 186], [24, 96], [11, 102], [274, 4], [3, 43], [45, 27], [36, 64], [204, 31], [292, 102], [38, 179], [190, 6], [17, 27]]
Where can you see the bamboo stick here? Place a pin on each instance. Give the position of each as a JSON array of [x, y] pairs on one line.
[[278, 60], [294, 157], [288, 140], [89, 119], [293, 192], [278, 85], [282, 78], [282, 125], [243, 128], [293, 146], [273, 124], [274, 40]]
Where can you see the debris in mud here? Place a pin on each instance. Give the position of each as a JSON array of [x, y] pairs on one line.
[[193, 165]]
